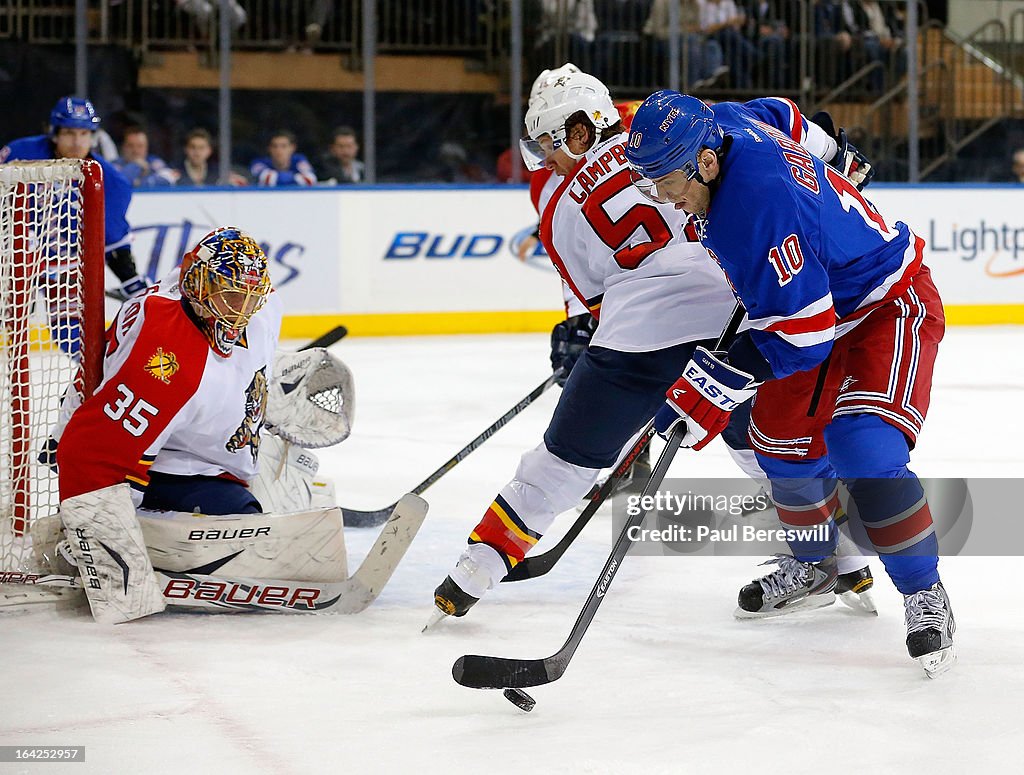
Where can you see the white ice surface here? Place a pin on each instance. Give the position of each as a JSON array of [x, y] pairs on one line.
[[665, 681]]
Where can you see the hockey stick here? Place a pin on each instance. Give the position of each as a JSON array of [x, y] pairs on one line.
[[356, 518], [480, 672], [483, 672], [245, 594], [538, 565], [326, 340]]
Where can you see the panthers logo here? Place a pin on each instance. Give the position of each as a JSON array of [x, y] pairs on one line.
[[248, 433], [162, 365]]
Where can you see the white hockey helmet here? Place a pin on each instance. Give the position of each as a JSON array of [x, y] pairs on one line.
[[556, 100], [547, 76]]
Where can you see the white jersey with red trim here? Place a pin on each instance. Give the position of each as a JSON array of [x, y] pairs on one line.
[[167, 402], [634, 264]]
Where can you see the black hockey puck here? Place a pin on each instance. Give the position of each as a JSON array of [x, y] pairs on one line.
[[520, 699]]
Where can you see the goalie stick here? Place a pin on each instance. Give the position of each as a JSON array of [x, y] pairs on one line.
[[326, 340], [485, 672], [351, 596], [356, 518]]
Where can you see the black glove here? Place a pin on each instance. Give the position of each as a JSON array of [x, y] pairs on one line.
[[568, 341], [848, 159], [121, 263]]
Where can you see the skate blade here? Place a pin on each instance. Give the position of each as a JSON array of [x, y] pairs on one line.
[[862, 602], [435, 617], [938, 662], [804, 604]]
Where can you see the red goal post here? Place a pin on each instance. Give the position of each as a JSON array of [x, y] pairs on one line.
[[51, 327]]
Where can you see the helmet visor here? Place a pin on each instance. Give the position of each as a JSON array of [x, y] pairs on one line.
[[667, 189], [536, 152]]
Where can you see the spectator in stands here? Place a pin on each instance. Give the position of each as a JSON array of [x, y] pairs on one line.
[[340, 165], [701, 55], [722, 20], [771, 26], [833, 42], [457, 167], [1018, 166], [197, 169], [576, 18], [881, 39], [283, 166], [202, 10], [139, 166], [317, 14]]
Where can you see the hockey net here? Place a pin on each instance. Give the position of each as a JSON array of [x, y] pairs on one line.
[[51, 330]]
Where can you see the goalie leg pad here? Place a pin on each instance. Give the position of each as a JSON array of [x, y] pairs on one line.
[[301, 546], [107, 544]]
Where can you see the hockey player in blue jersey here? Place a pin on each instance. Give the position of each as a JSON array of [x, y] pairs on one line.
[[845, 325], [73, 123]]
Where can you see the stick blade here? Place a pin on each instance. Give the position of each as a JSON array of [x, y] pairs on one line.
[[479, 672], [365, 585]]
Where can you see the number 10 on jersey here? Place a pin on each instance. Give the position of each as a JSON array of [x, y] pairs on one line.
[[787, 261]]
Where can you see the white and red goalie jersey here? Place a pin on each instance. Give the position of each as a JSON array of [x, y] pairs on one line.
[[167, 402], [634, 264]]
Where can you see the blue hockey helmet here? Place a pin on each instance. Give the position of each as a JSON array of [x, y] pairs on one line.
[[668, 132], [74, 113]]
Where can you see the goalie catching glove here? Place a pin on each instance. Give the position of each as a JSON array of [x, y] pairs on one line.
[[847, 159], [704, 397], [311, 399]]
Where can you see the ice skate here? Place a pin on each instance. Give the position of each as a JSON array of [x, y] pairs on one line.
[[479, 568], [793, 586], [930, 628], [854, 589]]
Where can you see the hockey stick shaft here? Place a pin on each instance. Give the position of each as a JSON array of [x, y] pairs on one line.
[[480, 672], [484, 672], [538, 565], [356, 518], [327, 339]]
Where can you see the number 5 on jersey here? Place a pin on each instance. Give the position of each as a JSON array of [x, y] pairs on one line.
[[136, 420]]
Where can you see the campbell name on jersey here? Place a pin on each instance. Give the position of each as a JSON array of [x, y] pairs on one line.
[[802, 285], [632, 263], [167, 402]]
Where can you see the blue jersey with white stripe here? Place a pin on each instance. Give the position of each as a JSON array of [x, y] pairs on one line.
[[117, 192], [807, 254]]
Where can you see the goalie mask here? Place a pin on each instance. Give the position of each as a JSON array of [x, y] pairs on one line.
[[226, 281]]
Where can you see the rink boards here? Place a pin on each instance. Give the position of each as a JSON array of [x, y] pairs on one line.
[[397, 260]]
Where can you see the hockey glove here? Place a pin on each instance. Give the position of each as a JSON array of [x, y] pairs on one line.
[[703, 398], [122, 263], [132, 287], [848, 159], [568, 341]]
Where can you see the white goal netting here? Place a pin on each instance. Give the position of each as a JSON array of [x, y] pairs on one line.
[[44, 218]]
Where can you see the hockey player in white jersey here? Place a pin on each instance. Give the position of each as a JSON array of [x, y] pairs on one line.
[[187, 389], [626, 260]]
